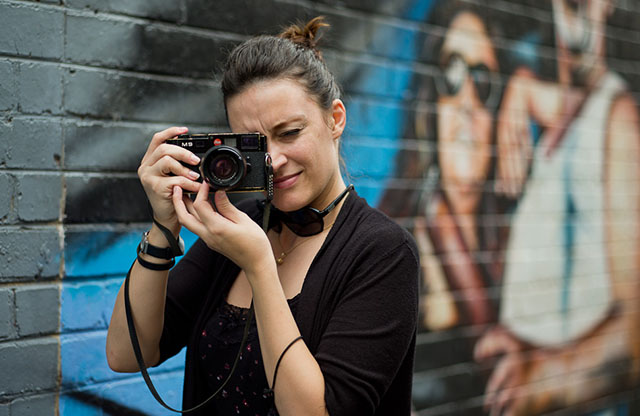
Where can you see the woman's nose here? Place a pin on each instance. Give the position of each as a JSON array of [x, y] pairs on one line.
[[278, 158]]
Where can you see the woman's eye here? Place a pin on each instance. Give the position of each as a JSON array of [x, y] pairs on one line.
[[290, 133]]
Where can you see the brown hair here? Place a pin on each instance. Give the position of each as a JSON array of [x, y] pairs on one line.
[[292, 54]]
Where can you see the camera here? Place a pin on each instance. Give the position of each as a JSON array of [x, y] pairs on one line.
[[233, 162]]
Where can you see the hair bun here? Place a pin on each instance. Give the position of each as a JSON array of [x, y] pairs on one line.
[[307, 35]]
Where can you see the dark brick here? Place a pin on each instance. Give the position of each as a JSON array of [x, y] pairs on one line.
[[39, 196], [105, 199], [169, 10], [29, 253], [147, 48], [32, 365], [232, 15], [99, 147], [119, 96], [396, 8], [40, 88], [7, 328], [37, 309], [347, 33], [20, 137], [31, 30]]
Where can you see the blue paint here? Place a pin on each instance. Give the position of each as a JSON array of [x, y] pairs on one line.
[[419, 9], [83, 360], [88, 304], [394, 42], [131, 393], [100, 253]]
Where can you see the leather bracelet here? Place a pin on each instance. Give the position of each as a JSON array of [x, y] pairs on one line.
[[155, 266], [176, 244]]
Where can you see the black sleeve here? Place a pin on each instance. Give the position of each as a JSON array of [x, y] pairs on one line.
[[187, 289], [371, 332]]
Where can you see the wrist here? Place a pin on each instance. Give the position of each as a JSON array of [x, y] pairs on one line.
[[157, 238], [262, 272]]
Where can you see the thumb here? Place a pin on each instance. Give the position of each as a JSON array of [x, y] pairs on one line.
[[225, 207]]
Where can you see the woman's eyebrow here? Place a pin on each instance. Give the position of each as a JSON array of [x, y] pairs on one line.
[[293, 119]]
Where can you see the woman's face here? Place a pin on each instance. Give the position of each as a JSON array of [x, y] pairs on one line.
[[302, 139], [465, 124]]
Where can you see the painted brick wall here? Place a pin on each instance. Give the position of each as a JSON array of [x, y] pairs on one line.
[[85, 83]]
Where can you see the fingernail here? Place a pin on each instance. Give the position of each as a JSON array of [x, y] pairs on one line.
[[193, 175], [195, 159]]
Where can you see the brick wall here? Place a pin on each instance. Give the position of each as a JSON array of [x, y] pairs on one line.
[[85, 83]]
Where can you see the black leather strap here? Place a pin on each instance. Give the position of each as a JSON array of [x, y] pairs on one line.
[[155, 266], [176, 245], [136, 344], [154, 251]]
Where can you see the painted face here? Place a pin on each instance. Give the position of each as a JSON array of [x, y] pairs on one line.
[[580, 26], [467, 93], [302, 139]]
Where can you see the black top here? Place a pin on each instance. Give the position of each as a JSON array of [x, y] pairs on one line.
[[246, 392], [357, 311]]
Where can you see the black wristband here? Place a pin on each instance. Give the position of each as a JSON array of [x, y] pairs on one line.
[[155, 266], [176, 244]]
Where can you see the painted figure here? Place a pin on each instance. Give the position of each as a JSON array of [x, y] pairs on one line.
[[569, 316]]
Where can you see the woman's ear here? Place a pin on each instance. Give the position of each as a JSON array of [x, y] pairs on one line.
[[338, 119]]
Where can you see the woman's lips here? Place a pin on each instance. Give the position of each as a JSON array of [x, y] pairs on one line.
[[285, 181]]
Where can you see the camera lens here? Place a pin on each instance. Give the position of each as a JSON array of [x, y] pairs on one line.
[[223, 167]]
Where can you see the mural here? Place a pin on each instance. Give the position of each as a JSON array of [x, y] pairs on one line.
[[526, 212], [508, 143]]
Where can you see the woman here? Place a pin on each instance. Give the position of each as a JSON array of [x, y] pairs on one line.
[[350, 291], [454, 184]]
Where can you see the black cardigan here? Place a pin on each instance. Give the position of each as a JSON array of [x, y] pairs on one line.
[[357, 311]]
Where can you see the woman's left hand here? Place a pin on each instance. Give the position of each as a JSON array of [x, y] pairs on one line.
[[224, 228]]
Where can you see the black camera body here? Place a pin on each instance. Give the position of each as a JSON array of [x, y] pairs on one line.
[[233, 162]]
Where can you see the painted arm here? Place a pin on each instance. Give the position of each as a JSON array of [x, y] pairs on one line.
[[526, 98], [463, 274]]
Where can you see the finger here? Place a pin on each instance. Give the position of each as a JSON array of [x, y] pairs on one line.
[[225, 207], [185, 218], [189, 205], [162, 136], [168, 166], [204, 209], [500, 156], [163, 185], [503, 400], [175, 152], [512, 164], [502, 374], [488, 345]]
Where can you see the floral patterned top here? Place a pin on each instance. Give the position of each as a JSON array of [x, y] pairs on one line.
[[247, 392]]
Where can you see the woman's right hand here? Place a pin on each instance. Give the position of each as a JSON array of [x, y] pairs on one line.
[[161, 170]]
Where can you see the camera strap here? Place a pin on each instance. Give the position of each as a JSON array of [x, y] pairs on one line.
[[134, 336]]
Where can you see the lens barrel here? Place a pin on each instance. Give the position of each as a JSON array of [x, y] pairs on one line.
[[223, 167]]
